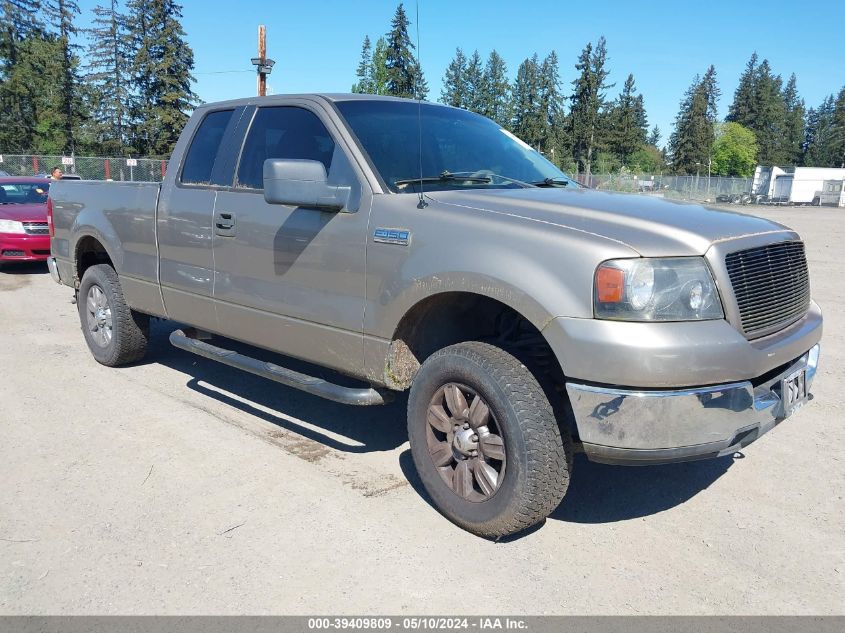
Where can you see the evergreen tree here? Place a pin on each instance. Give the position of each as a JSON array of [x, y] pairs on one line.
[[380, 67], [793, 133], [712, 93], [552, 139], [108, 66], [454, 81], [628, 126], [365, 84], [496, 92], [761, 105], [19, 21], [654, 136], [37, 122], [161, 69], [692, 141], [61, 14], [640, 115], [588, 99], [404, 74], [743, 108], [474, 83], [838, 131], [19, 26], [818, 136], [527, 113], [769, 118]]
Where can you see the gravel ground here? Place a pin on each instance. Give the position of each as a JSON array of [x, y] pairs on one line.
[[180, 486]]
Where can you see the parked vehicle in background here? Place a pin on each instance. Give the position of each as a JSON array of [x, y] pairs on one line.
[[24, 234], [735, 198], [422, 247], [833, 194]]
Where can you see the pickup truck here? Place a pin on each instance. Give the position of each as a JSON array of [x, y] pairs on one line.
[[415, 246]]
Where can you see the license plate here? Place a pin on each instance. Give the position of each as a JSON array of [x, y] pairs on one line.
[[794, 392]]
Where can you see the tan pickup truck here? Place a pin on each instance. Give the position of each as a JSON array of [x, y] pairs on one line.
[[422, 247]]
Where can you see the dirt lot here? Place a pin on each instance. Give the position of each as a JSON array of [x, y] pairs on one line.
[[180, 486]]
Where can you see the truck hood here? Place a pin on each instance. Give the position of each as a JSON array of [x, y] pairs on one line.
[[651, 226], [24, 212]]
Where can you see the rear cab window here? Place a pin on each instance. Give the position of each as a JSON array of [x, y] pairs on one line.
[[205, 147]]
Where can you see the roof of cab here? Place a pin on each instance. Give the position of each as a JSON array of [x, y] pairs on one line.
[[326, 96]]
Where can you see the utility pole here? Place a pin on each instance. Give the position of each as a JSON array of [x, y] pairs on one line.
[[263, 65]]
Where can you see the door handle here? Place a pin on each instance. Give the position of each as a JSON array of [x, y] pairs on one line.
[[224, 224]]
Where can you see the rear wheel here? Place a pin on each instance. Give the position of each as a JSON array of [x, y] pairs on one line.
[[485, 440], [116, 335]]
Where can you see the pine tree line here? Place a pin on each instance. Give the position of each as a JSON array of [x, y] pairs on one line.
[[575, 130], [578, 130], [122, 86], [767, 123], [584, 131]]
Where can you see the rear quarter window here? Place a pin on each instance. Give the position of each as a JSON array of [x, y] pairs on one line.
[[202, 154]]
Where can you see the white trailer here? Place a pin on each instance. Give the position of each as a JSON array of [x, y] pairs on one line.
[[798, 185], [833, 193]]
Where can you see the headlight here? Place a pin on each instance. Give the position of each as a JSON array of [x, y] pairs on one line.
[[670, 289], [10, 226]]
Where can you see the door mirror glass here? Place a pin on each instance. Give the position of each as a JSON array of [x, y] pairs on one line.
[[302, 183]]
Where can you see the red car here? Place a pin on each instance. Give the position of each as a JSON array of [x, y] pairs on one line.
[[24, 234]]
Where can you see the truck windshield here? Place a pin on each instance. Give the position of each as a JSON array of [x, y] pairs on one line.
[[460, 149]]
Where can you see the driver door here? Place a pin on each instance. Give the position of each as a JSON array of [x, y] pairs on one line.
[[292, 279]]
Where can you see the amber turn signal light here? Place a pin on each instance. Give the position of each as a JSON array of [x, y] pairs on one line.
[[610, 283]]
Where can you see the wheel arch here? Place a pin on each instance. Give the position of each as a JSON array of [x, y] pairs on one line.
[[445, 318], [90, 249]]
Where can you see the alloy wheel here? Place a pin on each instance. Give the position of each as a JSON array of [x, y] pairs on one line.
[[99, 315], [465, 443]]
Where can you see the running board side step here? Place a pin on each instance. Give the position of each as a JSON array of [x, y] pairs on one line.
[[310, 384]]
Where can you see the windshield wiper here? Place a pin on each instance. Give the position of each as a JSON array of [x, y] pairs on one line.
[[552, 182], [443, 177]]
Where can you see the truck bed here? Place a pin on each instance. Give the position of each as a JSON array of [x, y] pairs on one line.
[[122, 217]]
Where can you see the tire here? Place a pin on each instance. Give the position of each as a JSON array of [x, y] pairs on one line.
[[531, 479], [116, 335]]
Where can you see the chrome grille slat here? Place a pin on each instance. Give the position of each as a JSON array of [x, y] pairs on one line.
[[35, 228], [771, 284], [752, 298], [756, 299]]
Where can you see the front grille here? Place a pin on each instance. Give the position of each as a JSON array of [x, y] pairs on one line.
[[36, 228], [771, 284], [13, 254]]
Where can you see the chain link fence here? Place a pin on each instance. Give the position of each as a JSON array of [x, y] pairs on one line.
[[86, 167], [696, 188]]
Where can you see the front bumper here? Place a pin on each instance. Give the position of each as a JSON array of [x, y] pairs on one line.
[[24, 248], [658, 426]]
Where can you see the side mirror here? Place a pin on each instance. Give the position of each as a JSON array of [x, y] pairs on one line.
[[301, 183]]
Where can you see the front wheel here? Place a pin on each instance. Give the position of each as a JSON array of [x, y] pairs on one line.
[[485, 440], [116, 334]]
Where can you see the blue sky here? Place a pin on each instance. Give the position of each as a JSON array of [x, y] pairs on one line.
[[317, 44]]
